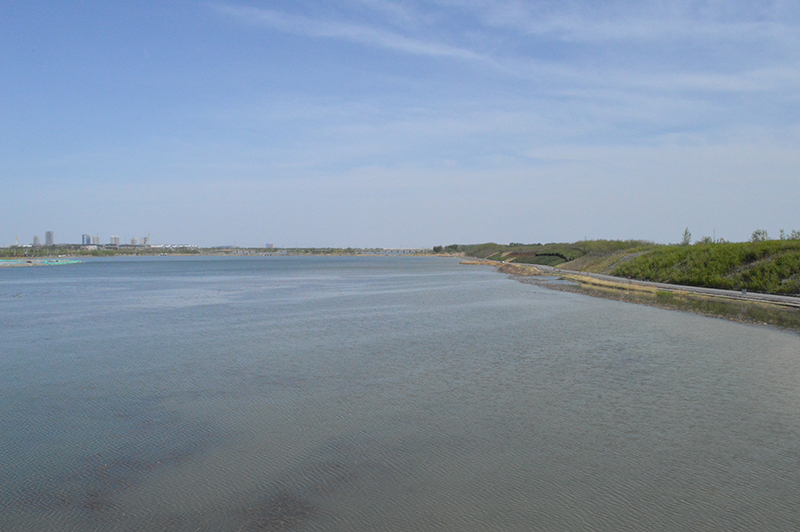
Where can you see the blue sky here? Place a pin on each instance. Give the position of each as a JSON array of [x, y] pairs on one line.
[[398, 124]]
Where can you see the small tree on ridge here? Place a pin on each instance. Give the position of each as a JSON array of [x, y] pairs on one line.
[[687, 238], [759, 235]]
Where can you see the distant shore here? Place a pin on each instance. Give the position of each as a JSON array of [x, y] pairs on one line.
[[21, 263]]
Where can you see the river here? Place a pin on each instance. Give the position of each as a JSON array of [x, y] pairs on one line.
[[380, 393]]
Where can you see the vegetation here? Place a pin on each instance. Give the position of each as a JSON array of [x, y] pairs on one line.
[[759, 235], [554, 253], [452, 248], [771, 266], [687, 238], [761, 265], [74, 250]]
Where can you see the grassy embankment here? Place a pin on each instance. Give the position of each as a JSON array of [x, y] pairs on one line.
[[772, 266], [587, 255]]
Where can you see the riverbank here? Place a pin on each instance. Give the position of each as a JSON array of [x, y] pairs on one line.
[[21, 263], [730, 307], [764, 266]]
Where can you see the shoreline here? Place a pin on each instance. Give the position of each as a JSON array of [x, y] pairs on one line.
[[741, 309], [11, 261], [23, 263]]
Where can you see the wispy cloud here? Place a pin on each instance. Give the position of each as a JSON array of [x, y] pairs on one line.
[[528, 108], [582, 21], [532, 31], [305, 26], [397, 14]]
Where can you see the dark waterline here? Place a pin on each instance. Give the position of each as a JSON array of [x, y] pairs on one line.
[[380, 393]]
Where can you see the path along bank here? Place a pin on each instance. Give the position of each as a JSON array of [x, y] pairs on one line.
[[745, 307]]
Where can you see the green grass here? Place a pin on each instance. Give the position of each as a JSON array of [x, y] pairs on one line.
[[771, 267], [553, 253]]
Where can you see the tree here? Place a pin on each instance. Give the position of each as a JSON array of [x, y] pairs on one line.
[[437, 249], [687, 238], [706, 240], [759, 235]]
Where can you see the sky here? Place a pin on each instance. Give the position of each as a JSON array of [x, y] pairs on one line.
[[397, 124]]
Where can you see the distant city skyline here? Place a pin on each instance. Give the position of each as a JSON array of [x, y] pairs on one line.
[[84, 240], [399, 124]]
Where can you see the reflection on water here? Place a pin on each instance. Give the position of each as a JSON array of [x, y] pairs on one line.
[[380, 394]]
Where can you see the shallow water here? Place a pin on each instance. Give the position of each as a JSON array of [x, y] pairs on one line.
[[380, 393]]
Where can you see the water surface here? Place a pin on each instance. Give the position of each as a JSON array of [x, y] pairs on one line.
[[380, 393]]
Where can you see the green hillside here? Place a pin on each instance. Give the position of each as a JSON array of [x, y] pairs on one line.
[[554, 254], [772, 266]]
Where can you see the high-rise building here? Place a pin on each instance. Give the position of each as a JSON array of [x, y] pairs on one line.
[[36, 241], [86, 240], [115, 241], [133, 241], [49, 239], [146, 240], [96, 240]]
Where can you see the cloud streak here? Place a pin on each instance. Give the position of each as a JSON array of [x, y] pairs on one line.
[[304, 26], [594, 22], [541, 30]]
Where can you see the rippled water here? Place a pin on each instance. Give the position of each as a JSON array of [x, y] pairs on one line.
[[393, 393]]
